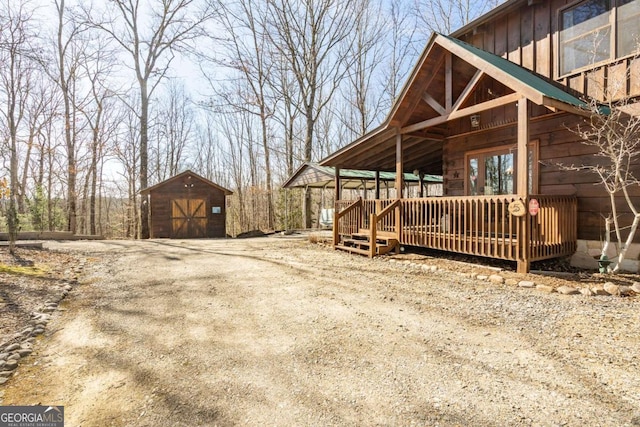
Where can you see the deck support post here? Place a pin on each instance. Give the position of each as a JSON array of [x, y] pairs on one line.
[[524, 263], [377, 195], [373, 236], [338, 196], [399, 165]]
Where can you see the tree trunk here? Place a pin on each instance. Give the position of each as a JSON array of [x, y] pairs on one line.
[[144, 159]]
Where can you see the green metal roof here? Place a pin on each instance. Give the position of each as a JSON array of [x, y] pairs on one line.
[[521, 74]]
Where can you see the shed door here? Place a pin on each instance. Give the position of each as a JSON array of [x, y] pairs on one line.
[[188, 218]]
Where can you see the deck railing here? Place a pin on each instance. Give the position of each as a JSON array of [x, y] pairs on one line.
[[475, 225]]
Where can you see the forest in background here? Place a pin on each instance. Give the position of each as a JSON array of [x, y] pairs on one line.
[[99, 100]]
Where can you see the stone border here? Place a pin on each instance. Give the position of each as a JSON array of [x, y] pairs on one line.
[[608, 288], [20, 345]]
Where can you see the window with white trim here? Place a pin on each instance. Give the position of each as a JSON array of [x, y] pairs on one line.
[[595, 31]]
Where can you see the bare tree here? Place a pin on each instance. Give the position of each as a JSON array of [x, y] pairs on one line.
[[247, 48], [17, 53], [101, 116], [152, 40], [364, 104], [313, 38], [173, 132], [69, 49], [402, 49], [445, 16], [613, 131]]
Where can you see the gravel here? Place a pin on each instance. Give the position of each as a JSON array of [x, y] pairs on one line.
[[278, 331]]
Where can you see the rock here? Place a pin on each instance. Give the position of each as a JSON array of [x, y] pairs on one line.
[[586, 292], [14, 356], [49, 309], [526, 284], [567, 290], [636, 287], [611, 288], [11, 365], [625, 290], [482, 277], [4, 374], [37, 331], [3, 356], [496, 278], [24, 352], [599, 290], [511, 282], [3, 380], [545, 288], [12, 347]]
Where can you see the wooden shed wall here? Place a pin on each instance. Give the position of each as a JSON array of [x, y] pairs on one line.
[[528, 35], [162, 196], [557, 145]]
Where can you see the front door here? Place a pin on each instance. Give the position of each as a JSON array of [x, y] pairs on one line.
[[188, 218]]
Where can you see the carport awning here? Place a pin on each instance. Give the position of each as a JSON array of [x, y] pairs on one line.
[[316, 176]]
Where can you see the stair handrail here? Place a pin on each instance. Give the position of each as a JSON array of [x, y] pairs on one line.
[[377, 217], [338, 215]]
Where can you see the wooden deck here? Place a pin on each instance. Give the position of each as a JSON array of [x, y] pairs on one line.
[[479, 226]]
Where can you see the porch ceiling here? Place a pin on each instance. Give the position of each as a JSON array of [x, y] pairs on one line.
[[452, 81]]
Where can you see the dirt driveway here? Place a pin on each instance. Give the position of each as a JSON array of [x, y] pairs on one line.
[[281, 332]]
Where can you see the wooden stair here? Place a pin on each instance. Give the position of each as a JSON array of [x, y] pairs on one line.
[[360, 243]]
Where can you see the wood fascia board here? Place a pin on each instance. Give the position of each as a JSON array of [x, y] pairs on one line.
[[503, 100], [433, 103], [554, 104], [468, 89], [359, 144], [493, 71]]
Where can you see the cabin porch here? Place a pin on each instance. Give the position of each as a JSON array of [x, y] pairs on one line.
[[473, 225]]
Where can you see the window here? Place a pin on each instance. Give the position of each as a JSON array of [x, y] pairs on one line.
[[628, 26], [593, 31], [493, 172]]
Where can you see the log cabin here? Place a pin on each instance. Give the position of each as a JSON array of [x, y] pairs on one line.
[[187, 206], [492, 108]]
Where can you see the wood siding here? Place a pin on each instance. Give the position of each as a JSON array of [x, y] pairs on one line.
[[557, 145], [163, 197], [528, 35]]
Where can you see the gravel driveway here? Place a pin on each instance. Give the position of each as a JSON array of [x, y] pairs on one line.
[[280, 332]]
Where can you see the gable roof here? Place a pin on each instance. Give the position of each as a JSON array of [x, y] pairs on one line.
[[316, 176], [182, 175], [424, 109], [534, 87]]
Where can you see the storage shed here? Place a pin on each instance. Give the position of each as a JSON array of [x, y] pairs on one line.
[[187, 206]]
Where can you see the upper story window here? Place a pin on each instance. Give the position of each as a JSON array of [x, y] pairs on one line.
[[594, 31]]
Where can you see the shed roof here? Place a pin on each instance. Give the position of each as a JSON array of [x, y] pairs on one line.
[[316, 176], [183, 175]]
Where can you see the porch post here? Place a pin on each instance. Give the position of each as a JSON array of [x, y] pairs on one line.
[[338, 196], [524, 263], [377, 196], [338, 189], [399, 165]]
